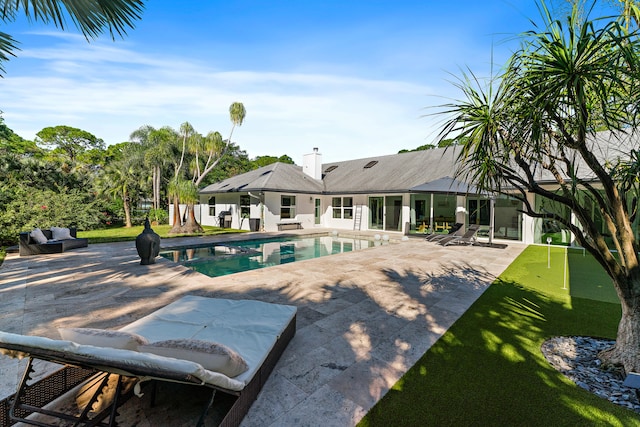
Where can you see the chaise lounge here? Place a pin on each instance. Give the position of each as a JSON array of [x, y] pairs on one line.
[[467, 238], [455, 230], [51, 241], [255, 333]]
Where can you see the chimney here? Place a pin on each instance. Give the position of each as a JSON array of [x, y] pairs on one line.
[[312, 164]]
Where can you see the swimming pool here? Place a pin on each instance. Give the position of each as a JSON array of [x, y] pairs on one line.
[[220, 259]]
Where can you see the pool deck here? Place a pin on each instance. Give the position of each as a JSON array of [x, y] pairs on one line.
[[364, 317]]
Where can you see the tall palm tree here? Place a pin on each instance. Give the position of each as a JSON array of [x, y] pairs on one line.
[[119, 180], [91, 17], [215, 146], [157, 146]]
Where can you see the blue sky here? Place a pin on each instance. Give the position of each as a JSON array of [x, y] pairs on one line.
[[353, 78]]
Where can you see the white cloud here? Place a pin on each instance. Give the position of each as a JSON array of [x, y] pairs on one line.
[[111, 91]]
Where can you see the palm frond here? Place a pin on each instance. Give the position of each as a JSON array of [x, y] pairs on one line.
[[7, 46], [91, 17]]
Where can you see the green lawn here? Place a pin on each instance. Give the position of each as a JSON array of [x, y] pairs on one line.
[[119, 234], [488, 369], [122, 234]]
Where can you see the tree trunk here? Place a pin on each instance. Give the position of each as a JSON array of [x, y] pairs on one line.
[[127, 211], [177, 221], [191, 225], [157, 186], [626, 351], [153, 187]]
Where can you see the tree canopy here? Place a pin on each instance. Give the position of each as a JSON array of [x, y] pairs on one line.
[[72, 141]]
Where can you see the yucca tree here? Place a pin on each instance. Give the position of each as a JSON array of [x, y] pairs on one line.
[[91, 17], [570, 78], [630, 13], [174, 190], [189, 196]]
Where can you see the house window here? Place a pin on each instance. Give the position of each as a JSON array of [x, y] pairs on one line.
[[347, 207], [245, 206], [336, 203], [212, 206], [287, 207], [342, 207]]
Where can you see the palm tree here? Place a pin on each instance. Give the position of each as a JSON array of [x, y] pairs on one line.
[[179, 189], [91, 17], [214, 145], [569, 79], [237, 113], [119, 180], [190, 196], [157, 145]]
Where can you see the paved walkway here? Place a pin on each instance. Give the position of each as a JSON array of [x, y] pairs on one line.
[[364, 317]]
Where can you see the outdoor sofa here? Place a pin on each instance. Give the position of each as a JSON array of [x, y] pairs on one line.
[[56, 240], [255, 331]]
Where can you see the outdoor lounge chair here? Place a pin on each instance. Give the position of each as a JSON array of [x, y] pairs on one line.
[[455, 230], [467, 238], [257, 331]]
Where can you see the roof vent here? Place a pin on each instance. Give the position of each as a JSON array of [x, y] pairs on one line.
[[331, 168], [371, 164]]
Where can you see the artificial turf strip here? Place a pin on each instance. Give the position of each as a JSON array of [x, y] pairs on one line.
[[488, 368]]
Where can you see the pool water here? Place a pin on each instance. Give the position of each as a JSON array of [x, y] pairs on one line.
[[233, 257]]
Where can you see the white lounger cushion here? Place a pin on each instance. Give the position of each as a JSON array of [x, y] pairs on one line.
[[104, 357], [103, 338], [212, 356], [250, 328]]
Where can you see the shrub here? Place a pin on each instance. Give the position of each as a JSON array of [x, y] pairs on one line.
[[44, 209], [161, 216]]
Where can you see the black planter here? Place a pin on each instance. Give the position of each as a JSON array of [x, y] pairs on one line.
[[148, 244]]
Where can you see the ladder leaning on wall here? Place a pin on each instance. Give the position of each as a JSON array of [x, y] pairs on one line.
[[357, 217]]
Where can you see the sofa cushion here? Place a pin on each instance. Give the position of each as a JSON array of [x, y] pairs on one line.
[[103, 338], [60, 233], [38, 236], [210, 355]]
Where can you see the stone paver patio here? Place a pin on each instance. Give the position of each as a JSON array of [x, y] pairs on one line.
[[364, 317]]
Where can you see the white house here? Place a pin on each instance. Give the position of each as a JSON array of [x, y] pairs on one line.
[[376, 193], [407, 193]]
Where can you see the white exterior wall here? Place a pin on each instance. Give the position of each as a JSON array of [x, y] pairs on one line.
[[305, 212], [198, 210], [228, 202]]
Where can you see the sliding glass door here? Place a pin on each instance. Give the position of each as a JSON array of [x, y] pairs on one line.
[[376, 213], [385, 213], [393, 213]]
